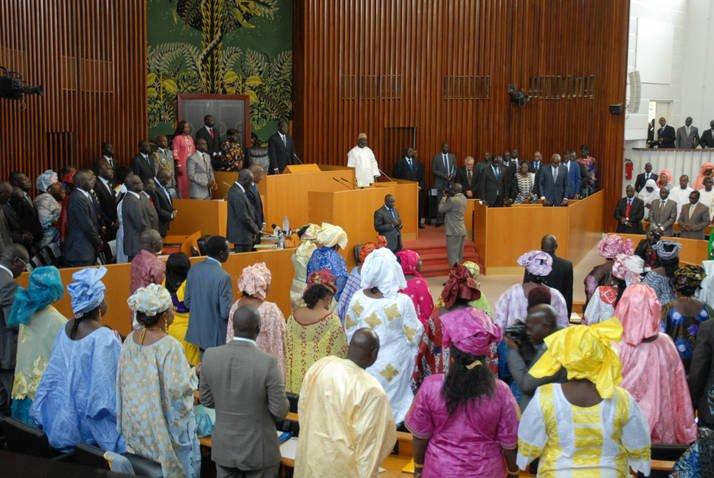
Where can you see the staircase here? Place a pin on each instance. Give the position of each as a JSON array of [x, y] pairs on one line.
[[431, 247]]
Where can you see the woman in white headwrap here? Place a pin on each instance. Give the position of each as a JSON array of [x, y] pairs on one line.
[[391, 314], [627, 270], [155, 388], [300, 258], [48, 204], [648, 194]]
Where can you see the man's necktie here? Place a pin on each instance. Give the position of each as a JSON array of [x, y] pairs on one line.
[[555, 174], [446, 163], [409, 162], [468, 176], [391, 211]]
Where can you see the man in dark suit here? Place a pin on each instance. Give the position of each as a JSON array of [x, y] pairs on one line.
[[82, 242], [163, 203], [443, 168], [135, 218], [254, 196], [642, 178], [13, 262], [107, 158], [209, 295], [707, 140], [492, 183], [388, 223], [143, 164], [410, 168], [561, 276], [572, 190], [107, 200], [466, 176], [21, 214], [552, 183], [535, 168], [5, 235], [211, 134], [245, 386], [243, 229], [629, 212], [665, 134], [281, 149]]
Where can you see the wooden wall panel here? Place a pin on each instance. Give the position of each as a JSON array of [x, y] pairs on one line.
[[90, 56], [424, 41]]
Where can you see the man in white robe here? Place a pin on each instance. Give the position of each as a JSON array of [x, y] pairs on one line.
[[361, 157]]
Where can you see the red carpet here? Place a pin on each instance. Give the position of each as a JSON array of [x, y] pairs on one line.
[[431, 246]]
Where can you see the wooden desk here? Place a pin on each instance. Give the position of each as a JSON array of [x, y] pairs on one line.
[[693, 251], [503, 234], [208, 216]]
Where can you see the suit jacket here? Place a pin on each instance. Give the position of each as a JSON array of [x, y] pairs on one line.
[[280, 154], [698, 222], [242, 225], [107, 209], [687, 141], [164, 159], [200, 174], [707, 140], [666, 136], [637, 213], [213, 141], [386, 225], [663, 215], [440, 172], [642, 178], [453, 209], [561, 279], [145, 168], [150, 210], [553, 190], [8, 335], [573, 185], [22, 217], [257, 202], [534, 167], [246, 387], [209, 296], [82, 241], [492, 186], [164, 205], [466, 185], [701, 374], [135, 220], [413, 173]]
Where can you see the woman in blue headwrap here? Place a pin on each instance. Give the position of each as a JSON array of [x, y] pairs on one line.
[[76, 399], [39, 323]]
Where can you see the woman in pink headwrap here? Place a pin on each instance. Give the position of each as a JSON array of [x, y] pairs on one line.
[[665, 178], [651, 369], [626, 270], [254, 283], [705, 170], [609, 247], [465, 422], [417, 288]]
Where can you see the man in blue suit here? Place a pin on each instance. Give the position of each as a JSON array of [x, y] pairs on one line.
[[552, 182], [572, 190]]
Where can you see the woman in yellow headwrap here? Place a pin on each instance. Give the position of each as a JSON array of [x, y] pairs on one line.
[[301, 257], [588, 424]]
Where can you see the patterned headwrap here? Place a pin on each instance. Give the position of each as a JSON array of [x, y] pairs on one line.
[[460, 285], [366, 249], [255, 280], [150, 300], [688, 277], [537, 263], [307, 242], [586, 352], [667, 250], [43, 288], [628, 268], [470, 330], [45, 180], [330, 235], [87, 290], [381, 270], [611, 245], [639, 312], [409, 261], [473, 268], [324, 277]]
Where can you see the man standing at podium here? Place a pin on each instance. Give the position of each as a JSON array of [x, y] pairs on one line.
[[362, 159]]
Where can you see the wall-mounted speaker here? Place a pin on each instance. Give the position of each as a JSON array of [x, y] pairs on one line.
[[633, 105], [616, 109]]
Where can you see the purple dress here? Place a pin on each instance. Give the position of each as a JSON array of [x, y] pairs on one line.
[[469, 442]]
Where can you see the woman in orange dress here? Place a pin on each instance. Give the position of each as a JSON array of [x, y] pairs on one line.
[[182, 147]]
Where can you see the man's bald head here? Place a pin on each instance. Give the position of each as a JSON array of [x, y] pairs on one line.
[[364, 347], [258, 173], [15, 258], [540, 322], [151, 241], [246, 322], [549, 243]]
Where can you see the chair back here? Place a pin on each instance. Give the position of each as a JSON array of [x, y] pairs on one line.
[[93, 457], [27, 440], [190, 245]]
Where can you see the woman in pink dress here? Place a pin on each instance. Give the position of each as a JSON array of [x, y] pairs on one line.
[[465, 423], [651, 369], [417, 288], [182, 147]]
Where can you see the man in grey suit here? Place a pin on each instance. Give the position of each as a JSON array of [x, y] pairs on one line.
[[694, 218], [663, 213], [200, 172], [453, 208], [209, 296], [443, 167], [83, 242], [388, 223], [243, 229], [245, 387], [135, 217], [687, 135], [13, 262]]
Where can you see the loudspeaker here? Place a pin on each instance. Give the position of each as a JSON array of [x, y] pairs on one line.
[[616, 109]]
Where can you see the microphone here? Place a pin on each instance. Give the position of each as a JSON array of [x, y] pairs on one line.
[[347, 181], [337, 180], [385, 175], [295, 157]]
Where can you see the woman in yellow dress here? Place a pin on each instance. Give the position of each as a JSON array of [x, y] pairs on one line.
[[177, 267], [313, 331], [300, 258]]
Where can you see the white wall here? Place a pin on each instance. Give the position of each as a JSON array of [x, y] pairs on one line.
[[697, 90]]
